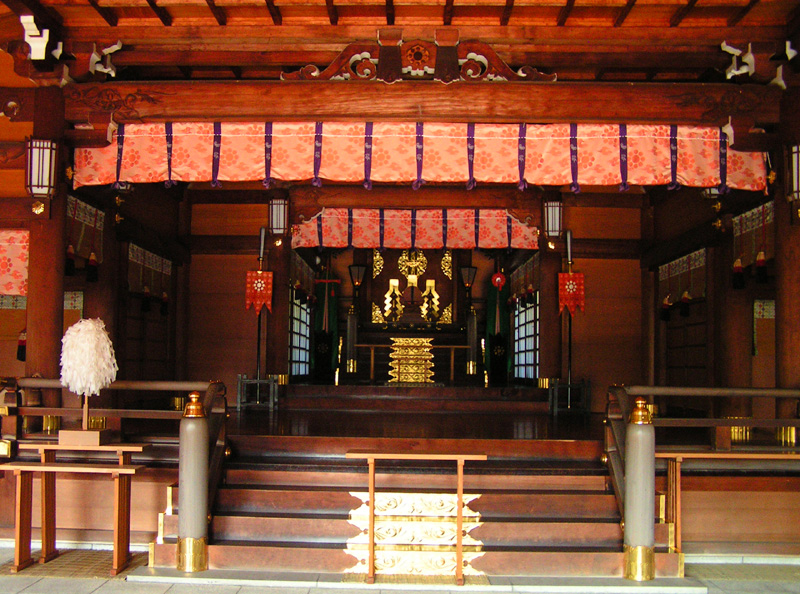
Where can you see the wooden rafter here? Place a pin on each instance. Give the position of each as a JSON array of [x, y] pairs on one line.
[[447, 16], [45, 17], [161, 12], [681, 13], [734, 20], [108, 14], [237, 72], [564, 13], [274, 12], [333, 13], [219, 13], [186, 71], [624, 12], [506, 16], [390, 12]]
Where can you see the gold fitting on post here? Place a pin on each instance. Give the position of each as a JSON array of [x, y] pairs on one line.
[[472, 367], [640, 563], [6, 448], [641, 415], [194, 409], [192, 554]]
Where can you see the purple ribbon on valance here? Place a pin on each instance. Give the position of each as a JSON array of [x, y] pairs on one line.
[[623, 157], [349, 227], [168, 134], [444, 229], [215, 183], [723, 162], [477, 227], [419, 181], [316, 181], [673, 158], [573, 158], [471, 155], [381, 227], [267, 154], [368, 156], [413, 228], [521, 149], [120, 146]]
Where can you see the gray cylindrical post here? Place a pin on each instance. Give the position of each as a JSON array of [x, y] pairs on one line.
[[193, 488], [640, 491], [472, 341], [350, 344]]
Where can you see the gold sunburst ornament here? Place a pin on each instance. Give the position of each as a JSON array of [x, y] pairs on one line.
[[412, 262]]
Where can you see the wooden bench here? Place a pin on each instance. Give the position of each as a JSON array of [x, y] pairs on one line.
[[48, 467], [459, 459]]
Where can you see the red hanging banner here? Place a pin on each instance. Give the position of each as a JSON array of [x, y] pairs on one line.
[[259, 290], [571, 292]]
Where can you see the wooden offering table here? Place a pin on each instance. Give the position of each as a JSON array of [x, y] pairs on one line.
[[49, 467], [459, 459]]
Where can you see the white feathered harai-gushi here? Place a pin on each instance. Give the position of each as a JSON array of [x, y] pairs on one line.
[[88, 363]]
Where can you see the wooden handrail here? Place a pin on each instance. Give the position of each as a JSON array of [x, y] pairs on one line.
[[712, 392], [217, 434]]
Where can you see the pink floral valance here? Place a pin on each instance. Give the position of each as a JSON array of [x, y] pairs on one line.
[[14, 244], [455, 228], [366, 152]]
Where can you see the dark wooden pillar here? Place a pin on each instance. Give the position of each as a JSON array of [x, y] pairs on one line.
[[787, 305], [549, 320], [46, 263], [277, 322]]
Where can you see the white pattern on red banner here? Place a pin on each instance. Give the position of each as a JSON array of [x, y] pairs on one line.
[[571, 292], [259, 290]]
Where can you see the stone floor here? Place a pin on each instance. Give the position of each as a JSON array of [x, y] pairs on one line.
[[85, 571]]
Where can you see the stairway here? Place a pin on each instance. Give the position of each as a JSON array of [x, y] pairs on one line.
[[534, 508]]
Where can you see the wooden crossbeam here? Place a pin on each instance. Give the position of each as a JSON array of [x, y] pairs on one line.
[[108, 14], [734, 20], [564, 13], [681, 13], [624, 12], [390, 12], [161, 12], [274, 12], [447, 16], [219, 13], [333, 13], [506, 16]]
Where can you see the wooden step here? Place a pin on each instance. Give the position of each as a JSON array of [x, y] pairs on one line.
[[408, 405], [460, 394], [326, 559]]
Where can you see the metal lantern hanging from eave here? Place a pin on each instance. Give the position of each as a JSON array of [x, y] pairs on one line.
[[553, 217], [40, 168], [278, 216]]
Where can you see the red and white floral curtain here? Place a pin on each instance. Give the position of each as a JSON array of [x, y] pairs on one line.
[[366, 152], [14, 249], [453, 228]]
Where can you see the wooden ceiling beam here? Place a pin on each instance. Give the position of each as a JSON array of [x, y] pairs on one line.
[[681, 13], [447, 15], [691, 104], [390, 12], [45, 17], [108, 14], [564, 13], [735, 19], [506, 16], [624, 12], [333, 14], [219, 13], [274, 12], [161, 12]]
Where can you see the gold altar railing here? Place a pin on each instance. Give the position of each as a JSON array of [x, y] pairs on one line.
[[452, 348]]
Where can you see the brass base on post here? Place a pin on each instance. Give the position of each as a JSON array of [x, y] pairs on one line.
[[640, 563], [192, 554]]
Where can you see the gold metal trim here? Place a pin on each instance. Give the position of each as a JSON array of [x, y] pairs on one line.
[[151, 554], [447, 315], [377, 263], [640, 414], [6, 447], [412, 262], [194, 410], [97, 422], [472, 367], [192, 554], [671, 536], [352, 365], [447, 264], [640, 563], [283, 379], [681, 565], [160, 533], [51, 423]]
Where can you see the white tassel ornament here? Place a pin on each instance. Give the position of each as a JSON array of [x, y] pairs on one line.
[[88, 363]]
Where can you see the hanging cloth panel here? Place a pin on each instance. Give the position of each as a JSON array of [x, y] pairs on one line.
[[684, 274], [14, 250], [444, 159], [491, 227], [85, 228], [754, 231]]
